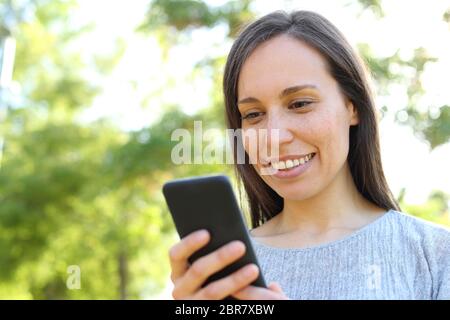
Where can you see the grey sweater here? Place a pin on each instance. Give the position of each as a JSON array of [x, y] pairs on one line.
[[397, 256]]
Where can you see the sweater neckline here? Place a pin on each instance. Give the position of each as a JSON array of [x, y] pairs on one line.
[[354, 234]]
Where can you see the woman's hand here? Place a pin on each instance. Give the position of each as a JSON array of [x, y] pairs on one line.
[[187, 279]]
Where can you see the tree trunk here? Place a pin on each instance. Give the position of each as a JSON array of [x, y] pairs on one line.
[[123, 275]]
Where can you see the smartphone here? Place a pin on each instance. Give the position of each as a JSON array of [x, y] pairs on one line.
[[208, 202]]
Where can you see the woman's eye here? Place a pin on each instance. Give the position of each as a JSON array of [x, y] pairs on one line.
[[299, 104], [251, 115]]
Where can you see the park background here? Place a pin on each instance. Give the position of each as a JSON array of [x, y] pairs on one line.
[[91, 90]]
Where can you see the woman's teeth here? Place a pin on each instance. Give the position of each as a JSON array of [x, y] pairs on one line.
[[288, 164]]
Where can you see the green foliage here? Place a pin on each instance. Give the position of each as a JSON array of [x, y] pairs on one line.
[[188, 14], [433, 125], [446, 16], [436, 208], [373, 5], [52, 77], [66, 197], [437, 128]]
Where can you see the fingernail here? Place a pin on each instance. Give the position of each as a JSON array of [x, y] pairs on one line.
[[236, 246], [250, 270], [201, 235]]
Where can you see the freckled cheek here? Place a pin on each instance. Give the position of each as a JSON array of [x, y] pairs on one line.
[[314, 131], [331, 139]]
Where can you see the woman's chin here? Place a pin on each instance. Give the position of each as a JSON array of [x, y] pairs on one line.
[[294, 193]]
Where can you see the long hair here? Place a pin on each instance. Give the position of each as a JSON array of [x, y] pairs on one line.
[[347, 69]]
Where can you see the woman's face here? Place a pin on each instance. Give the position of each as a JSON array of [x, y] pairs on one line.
[[284, 84]]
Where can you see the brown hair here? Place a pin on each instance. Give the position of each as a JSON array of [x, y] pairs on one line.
[[347, 69]]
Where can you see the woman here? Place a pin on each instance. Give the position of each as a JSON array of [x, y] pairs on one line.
[[326, 225]]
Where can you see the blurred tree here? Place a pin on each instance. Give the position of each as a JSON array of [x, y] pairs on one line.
[[435, 209], [74, 193], [374, 5], [167, 18], [432, 125], [70, 193]]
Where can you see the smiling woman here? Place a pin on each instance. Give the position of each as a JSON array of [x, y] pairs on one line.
[[334, 111], [325, 223]]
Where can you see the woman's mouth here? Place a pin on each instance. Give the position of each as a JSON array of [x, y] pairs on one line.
[[292, 163], [292, 167]]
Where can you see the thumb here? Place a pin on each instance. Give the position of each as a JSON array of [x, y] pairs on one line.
[[274, 286]]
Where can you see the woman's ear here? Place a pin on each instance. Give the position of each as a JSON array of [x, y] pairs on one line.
[[353, 113]]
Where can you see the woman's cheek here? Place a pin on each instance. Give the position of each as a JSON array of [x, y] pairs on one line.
[[316, 132], [332, 143], [321, 137]]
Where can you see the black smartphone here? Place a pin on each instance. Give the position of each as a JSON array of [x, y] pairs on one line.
[[208, 202]]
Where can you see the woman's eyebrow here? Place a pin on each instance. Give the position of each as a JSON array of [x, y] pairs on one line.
[[283, 93], [294, 89]]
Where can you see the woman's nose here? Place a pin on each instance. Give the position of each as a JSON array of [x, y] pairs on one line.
[[279, 129]]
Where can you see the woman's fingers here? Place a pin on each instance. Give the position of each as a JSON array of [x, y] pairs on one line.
[[188, 279], [180, 252], [207, 265], [225, 287]]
